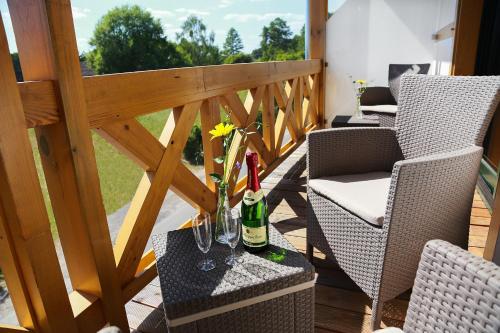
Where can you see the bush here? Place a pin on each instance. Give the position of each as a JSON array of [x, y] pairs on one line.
[[193, 152], [238, 58]]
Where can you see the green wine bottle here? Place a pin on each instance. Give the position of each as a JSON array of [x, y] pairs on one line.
[[254, 211]]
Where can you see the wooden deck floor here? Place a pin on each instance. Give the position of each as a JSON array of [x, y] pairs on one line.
[[340, 305]]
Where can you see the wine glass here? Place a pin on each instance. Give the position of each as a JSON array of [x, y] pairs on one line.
[[232, 230], [202, 229]]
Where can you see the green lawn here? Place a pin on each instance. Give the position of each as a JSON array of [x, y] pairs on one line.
[[119, 175]]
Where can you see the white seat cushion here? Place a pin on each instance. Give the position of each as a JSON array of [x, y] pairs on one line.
[[389, 330], [380, 108], [365, 194]]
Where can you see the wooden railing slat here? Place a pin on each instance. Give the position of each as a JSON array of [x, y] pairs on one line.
[[268, 119], [136, 142], [210, 116], [297, 107], [283, 115], [149, 197], [14, 277], [127, 95]]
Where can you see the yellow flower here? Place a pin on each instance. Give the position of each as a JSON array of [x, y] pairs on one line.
[[362, 82], [221, 130]]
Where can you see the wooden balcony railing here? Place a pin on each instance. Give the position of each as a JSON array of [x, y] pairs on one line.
[[63, 108]]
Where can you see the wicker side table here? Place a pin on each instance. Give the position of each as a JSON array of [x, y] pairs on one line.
[[257, 295]]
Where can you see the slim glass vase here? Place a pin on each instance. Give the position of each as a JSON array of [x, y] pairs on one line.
[[358, 114], [222, 205]]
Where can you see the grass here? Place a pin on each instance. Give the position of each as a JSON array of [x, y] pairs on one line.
[[119, 176]]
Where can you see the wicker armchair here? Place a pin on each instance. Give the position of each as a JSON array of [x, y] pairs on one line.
[[381, 102], [377, 195], [454, 291]]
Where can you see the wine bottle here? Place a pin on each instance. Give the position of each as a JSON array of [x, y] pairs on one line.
[[254, 210]]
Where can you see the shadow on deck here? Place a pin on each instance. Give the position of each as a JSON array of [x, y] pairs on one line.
[[340, 305]]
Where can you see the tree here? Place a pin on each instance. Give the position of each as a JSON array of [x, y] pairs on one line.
[[238, 58], [233, 44], [275, 38], [128, 39], [278, 44], [196, 44]]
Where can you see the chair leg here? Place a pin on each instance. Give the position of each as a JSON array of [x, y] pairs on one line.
[[309, 252], [376, 314]]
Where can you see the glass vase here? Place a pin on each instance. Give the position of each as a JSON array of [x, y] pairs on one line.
[[222, 205], [358, 114]]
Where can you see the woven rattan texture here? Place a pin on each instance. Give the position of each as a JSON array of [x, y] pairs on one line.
[[442, 113], [387, 120], [454, 291], [187, 290], [351, 150], [440, 124], [426, 201], [355, 244]]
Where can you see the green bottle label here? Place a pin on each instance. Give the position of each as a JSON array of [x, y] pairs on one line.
[[254, 237]]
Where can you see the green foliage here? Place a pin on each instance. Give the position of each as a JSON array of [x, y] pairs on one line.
[[233, 44], [17, 67], [196, 44], [238, 58], [193, 152], [128, 39], [278, 43]]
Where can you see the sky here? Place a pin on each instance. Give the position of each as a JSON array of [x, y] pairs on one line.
[[246, 16]]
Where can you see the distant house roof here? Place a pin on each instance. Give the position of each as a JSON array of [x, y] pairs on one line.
[[86, 71]]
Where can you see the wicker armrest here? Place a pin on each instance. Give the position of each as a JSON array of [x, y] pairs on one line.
[[455, 291], [430, 198], [351, 150]]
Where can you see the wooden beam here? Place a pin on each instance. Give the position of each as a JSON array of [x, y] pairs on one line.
[[469, 14], [284, 115], [297, 107], [316, 26], [151, 192], [134, 141], [5, 328], [127, 95], [30, 27], [39, 97], [244, 116], [49, 51], [131, 138], [268, 120], [210, 116], [26, 219], [16, 285], [280, 95], [88, 311], [140, 280], [492, 247]]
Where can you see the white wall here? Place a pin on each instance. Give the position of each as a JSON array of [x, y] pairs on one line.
[[365, 36]]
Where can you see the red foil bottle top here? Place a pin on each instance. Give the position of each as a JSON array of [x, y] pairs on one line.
[[253, 176], [252, 160]]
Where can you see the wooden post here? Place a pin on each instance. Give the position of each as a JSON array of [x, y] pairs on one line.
[[48, 51], [469, 14], [316, 24], [25, 225], [492, 247]]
